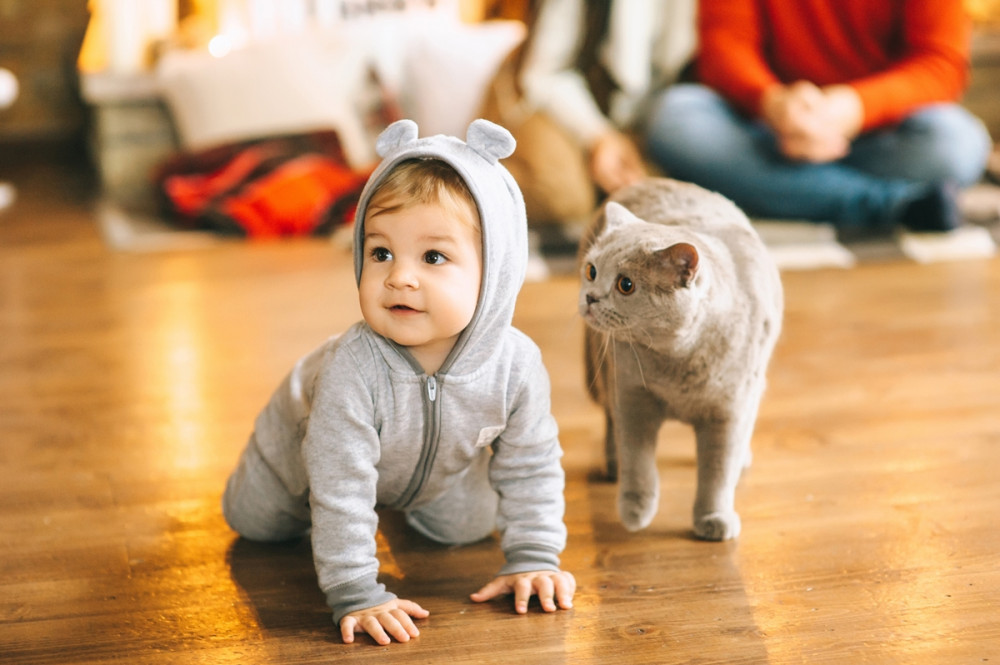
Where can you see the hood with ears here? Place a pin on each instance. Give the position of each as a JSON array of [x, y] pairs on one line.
[[501, 215]]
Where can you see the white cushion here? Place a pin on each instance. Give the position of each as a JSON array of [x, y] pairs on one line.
[[435, 65], [286, 85]]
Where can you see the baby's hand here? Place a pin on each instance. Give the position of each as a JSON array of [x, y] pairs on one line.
[[391, 618], [543, 583]]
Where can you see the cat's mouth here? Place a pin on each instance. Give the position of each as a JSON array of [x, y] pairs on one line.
[[592, 317], [599, 318]]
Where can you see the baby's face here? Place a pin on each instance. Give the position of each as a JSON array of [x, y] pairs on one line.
[[420, 279]]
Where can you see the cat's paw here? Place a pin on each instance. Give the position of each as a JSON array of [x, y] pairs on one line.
[[637, 509], [717, 526]]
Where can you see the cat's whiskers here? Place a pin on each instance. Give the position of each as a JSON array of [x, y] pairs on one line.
[[602, 356], [635, 354]]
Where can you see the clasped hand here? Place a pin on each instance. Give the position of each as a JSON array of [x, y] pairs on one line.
[[615, 161], [813, 124], [394, 619]]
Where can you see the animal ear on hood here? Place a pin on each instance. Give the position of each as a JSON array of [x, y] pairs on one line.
[[682, 259], [397, 134], [490, 140]]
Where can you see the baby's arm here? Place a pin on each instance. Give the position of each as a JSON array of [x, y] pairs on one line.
[[393, 618], [551, 587], [525, 470]]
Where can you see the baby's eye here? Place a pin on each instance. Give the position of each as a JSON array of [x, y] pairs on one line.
[[625, 285], [434, 257], [590, 271], [380, 254]]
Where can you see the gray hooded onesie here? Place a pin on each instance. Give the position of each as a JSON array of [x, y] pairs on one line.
[[357, 425]]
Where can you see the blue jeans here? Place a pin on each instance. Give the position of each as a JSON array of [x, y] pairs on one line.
[[693, 134]]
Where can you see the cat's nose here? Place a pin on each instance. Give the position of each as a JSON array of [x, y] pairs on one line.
[[591, 298]]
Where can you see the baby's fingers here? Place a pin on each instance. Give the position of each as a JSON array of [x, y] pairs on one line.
[[347, 626], [398, 624], [373, 626], [412, 608], [565, 585], [384, 622], [496, 587], [524, 587], [546, 590]]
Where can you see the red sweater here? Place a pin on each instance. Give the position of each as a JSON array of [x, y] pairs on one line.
[[897, 54]]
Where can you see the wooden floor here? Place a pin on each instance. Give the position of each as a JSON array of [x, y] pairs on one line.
[[128, 384]]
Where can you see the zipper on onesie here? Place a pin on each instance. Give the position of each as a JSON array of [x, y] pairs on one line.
[[428, 450]]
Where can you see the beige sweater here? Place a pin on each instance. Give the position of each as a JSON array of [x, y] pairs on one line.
[[647, 45]]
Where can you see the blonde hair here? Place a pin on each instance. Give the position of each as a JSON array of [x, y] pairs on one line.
[[422, 181]]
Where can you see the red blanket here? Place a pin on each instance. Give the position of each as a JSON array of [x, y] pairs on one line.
[[281, 186]]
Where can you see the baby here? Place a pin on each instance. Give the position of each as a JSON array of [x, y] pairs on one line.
[[434, 405]]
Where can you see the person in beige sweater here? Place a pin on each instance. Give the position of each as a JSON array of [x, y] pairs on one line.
[[576, 93]]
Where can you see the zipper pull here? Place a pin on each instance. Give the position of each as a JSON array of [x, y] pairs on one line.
[[432, 388]]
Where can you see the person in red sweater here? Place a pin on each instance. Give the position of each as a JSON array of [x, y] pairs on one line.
[[831, 110]]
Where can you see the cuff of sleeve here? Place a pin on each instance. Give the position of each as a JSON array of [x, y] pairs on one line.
[[524, 560], [357, 595]]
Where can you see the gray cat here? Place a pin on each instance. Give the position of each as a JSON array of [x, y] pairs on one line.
[[683, 306]]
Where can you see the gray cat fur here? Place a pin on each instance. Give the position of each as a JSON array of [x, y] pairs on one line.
[[691, 342]]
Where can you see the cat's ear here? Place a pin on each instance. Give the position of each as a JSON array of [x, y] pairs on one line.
[[616, 216], [682, 260]]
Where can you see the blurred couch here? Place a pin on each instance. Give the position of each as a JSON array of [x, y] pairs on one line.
[[353, 77]]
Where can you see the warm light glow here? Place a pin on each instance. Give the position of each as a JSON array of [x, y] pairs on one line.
[[178, 365], [984, 11], [122, 35], [220, 45], [171, 343]]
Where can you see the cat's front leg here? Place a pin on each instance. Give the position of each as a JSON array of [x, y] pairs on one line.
[[721, 458], [636, 424]]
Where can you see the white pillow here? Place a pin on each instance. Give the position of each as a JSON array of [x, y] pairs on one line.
[[448, 67], [287, 85], [436, 66]]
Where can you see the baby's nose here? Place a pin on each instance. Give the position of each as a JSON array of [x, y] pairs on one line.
[[402, 276]]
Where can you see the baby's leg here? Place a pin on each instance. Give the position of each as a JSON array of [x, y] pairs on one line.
[[257, 505], [465, 513]]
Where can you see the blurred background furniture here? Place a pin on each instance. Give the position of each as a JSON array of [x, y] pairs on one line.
[[232, 70]]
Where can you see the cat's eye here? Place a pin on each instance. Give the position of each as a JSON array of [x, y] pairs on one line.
[[625, 285], [590, 271]]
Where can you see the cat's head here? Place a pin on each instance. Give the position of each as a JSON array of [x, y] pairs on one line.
[[638, 276]]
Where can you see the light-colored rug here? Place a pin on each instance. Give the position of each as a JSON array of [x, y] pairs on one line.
[[794, 245]]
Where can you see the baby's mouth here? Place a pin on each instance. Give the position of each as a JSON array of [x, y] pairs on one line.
[[402, 308]]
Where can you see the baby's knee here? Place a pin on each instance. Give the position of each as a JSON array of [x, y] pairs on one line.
[[243, 521], [255, 520], [257, 505]]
